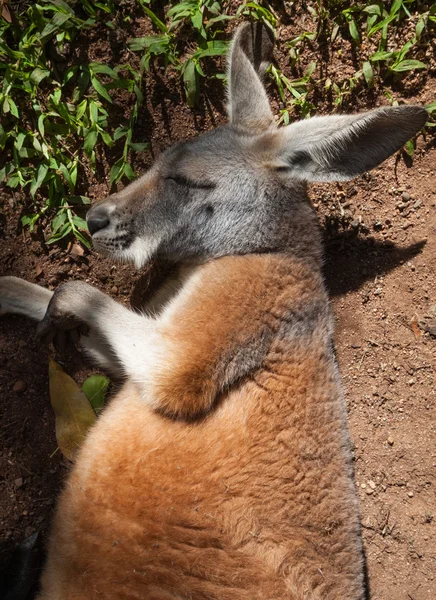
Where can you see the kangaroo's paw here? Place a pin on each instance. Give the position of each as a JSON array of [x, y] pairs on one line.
[[61, 317]]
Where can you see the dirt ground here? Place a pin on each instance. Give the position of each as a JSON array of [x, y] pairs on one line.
[[380, 234]]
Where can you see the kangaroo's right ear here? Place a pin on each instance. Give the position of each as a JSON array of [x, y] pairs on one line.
[[339, 147], [250, 54]]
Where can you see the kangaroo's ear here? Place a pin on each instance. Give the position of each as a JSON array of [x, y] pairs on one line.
[[249, 56], [340, 147]]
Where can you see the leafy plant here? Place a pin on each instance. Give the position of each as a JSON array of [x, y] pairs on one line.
[[57, 115], [204, 18], [53, 121], [298, 89], [396, 61]]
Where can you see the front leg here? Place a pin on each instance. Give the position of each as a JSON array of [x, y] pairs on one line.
[[121, 333], [20, 297]]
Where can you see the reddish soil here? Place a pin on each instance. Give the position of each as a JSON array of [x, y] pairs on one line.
[[380, 235]]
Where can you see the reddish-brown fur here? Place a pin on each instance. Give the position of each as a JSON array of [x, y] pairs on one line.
[[222, 470], [255, 499]]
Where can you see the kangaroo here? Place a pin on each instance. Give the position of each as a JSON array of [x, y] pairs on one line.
[[222, 470]]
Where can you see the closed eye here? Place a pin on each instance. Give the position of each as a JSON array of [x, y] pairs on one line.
[[185, 182]]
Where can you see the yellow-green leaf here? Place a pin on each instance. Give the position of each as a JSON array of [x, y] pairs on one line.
[[95, 388], [73, 412]]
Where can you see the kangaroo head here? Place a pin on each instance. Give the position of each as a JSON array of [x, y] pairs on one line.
[[241, 188]]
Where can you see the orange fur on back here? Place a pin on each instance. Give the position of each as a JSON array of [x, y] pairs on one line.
[[251, 499]]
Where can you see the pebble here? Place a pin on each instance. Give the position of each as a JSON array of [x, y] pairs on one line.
[[19, 387], [18, 482], [372, 485], [369, 491], [431, 328], [77, 251], [114, 290], [390, 440], [410, 494], [405, 197]]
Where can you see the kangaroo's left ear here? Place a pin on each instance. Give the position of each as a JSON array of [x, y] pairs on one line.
[[337, 148], [249, 56]]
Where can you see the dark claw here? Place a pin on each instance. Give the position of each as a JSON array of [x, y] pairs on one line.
[[74, 335], [46, 331], [60, 341], [83, 329]]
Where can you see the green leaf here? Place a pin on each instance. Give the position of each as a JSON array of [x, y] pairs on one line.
[[373, 9], [73, 412], [19, 141], [13, 108], [63, 169], [3, 137], [4, 172], [38, 179], [117, 171], [120, 132], [65, 230], [128, 171], [368, 73], [106, 138], [100, 89], [190, 79], [57, 21], [13, 181], [408, 65], [29, 220], [380, 25], [81, 109], [82, 238], [90, 141], [78, 200], [136, 44], [139, 147], [396, 5], [103, 69], [377, 56], [93, 111], [58, 221], [353, 30], [430, 108], [409, 147], [214, 48], [95, 389], [80, 223], [38, 75], [154, 19], [419, 28], [41, 120], [197, 19]]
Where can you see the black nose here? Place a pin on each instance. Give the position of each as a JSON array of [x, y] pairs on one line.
[[97, 218]]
